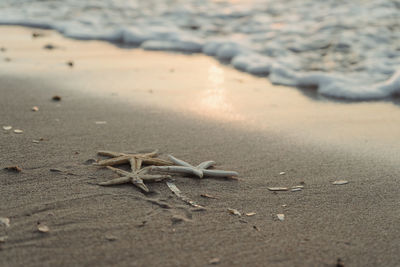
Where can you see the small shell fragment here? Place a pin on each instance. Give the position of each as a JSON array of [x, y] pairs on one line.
[[18, 131], [208, 196], [43, 228], [214, 261], [298, 186], [7, 128], [340, 182], [278, 188], [281, 217], [296, 189], [13, 169], [282, 173], [234, 212], [5, 221], [35, 108], [249, 214]]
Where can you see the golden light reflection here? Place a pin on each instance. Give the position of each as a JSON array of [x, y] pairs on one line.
[[213, 100]]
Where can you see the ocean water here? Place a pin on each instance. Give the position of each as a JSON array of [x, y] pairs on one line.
[[345, 49]]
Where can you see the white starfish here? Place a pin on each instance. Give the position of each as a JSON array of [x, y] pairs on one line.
[[136, 177], [199, 171]]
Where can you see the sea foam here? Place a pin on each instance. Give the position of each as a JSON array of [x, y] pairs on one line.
[[347, 50]]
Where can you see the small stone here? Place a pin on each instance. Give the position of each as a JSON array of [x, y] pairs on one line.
[[43, 228], [70, 64], [18, 131], [178, 219], [281, 217], [7, 128], [56, 98], [111, 238], [5, 221], [35, 108]]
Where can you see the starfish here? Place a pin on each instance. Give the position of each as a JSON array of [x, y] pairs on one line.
[[137, 178], [200, 170], [135, 160]]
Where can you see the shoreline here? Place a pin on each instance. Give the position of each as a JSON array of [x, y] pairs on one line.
[[92, 225]]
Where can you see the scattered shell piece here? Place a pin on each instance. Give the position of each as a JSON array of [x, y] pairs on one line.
[[281, 216], [101, 122], [298, 186], [35, 108], [284, 205], [282, 173], [43, 228], [184, 198], [340, 182], [296, 189], [35, 141], [56, 98], [3, 239], [234, 212], [18, 131], [7, 128], [214, 261], [13, 169], [208, 196], [5, 221], [278, 188], [249, 214]]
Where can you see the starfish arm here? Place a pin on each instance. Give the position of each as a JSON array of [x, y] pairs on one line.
[[113, 161], [139, 183], [136, 163], [219, 173], [151, 154], [157, 162], [154, 178], [109, 153], [120, 172], [179, 161], [179, 169], [119, 180], [206, 164]]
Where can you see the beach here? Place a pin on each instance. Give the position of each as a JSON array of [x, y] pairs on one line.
[[197, 109]]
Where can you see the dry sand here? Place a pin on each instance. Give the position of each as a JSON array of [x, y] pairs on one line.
[[197, 109]]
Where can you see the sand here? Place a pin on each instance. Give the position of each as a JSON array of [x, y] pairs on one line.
[[183, 105]]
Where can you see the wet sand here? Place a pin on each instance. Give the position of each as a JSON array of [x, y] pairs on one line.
[[196, 109]]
